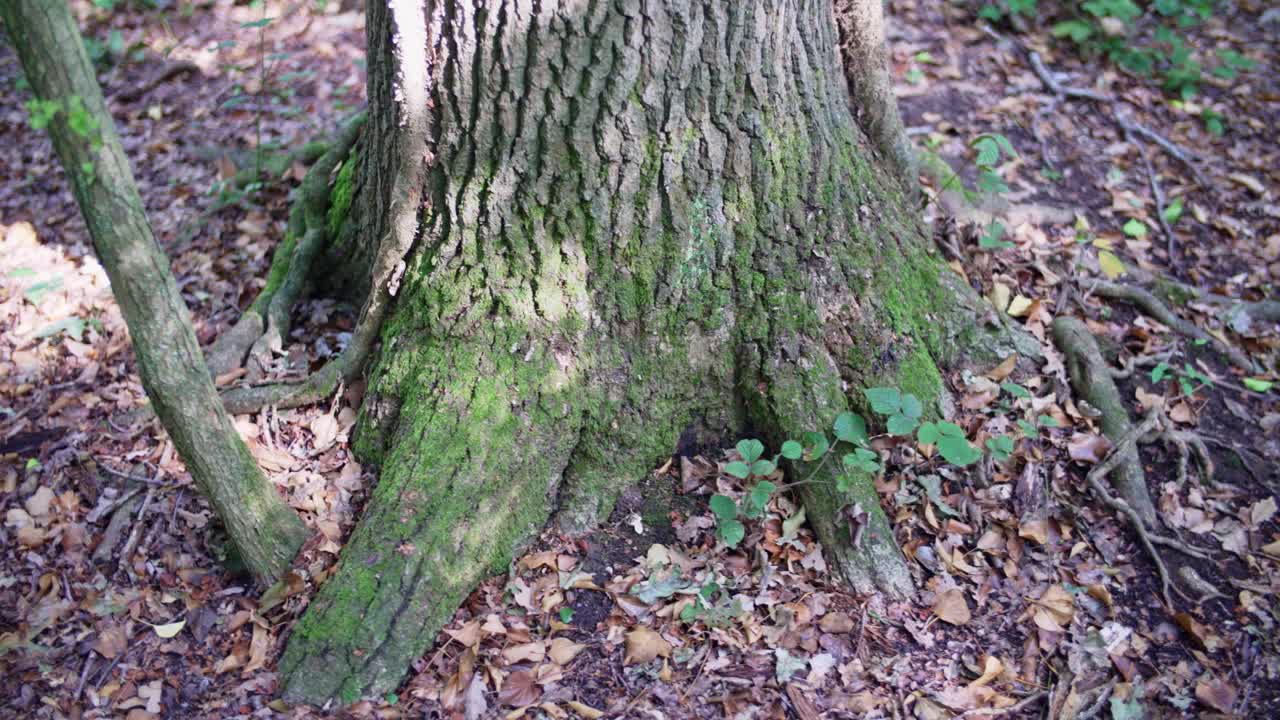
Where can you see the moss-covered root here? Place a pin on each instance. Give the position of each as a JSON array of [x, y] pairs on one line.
[[1091, 378], [1153, 307], [805, 395], [262, 327], [478, 446]]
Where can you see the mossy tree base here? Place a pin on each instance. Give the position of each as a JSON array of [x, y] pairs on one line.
[[638, 221]]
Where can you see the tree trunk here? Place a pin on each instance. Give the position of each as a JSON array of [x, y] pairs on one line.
[[640, 218], [265, 531]]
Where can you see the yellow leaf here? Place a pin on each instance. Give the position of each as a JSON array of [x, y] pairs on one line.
[[1019, 306], [169, 630], [1111, 265]]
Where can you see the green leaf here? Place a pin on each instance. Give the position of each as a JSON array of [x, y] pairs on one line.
[[1159, 372], [1135, 228], [851, 428], [990, 240], [1047, 421], [884, 400], [566, 615], [901, 424], [763, 467], [1028, 429], [257, 23], [950, 429], [1258, 384], [988, 151], [738, 469], [927, 434], [911, 406], [957, 450], [731, 532], [816, 443], [750, 450], [1077, 30], [72, 326], [1001, 446], [792, 450], [723, 507], [1015, 390], [1173, 211]]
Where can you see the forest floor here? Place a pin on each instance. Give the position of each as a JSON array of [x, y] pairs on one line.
[[1035, 598]]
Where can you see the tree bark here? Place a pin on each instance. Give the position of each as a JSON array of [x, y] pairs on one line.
[[640, 218], [265, 531]]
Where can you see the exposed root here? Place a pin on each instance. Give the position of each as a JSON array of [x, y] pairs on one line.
[[1189, 444], [261, 330], [1092, 380], [1126, 448], [1153, 307]]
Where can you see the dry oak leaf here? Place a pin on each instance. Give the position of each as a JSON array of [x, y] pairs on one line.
[[563, 650], [951, 607], [643, 645], [530, 651], [1054, 609]]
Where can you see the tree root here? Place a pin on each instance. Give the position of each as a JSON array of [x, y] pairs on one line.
[[1125, 448], [1091, 378], [1153, 307], [261, 330]]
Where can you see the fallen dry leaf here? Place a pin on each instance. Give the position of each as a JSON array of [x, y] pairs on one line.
[[950, 606], [643, 645]]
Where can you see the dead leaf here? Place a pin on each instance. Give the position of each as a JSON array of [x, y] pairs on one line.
[[1003, 370], [525, 652], [836, 622], [520, 689], [563, 650], [112, 641], [38, 504], [1262, 511], [1086, 448], [325, 429], [643, 645], [991, 670], [951, 607], [1217, 694]]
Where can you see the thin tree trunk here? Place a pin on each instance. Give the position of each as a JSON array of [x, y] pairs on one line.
[[265, 531], [641, 219]]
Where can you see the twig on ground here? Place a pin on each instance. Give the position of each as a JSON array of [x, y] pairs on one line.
[[170, 71], [1022, 704], [1096, 706], [1156, 191], [1046, 77]]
